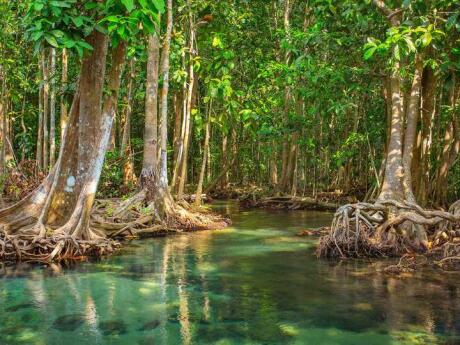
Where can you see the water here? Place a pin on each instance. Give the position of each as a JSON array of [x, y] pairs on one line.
[[255, 283]]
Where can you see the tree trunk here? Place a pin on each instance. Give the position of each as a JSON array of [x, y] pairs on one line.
[[199, 189], [428, 111], [164, 97], [450, 149], [413, 112], [62, 204], [64, 80], [128, 164], [46, 87], [392, 188], [150, 163], [53, 108], [287, 100], [188, 115]]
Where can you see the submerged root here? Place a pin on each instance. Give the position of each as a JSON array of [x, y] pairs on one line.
[[391, 228]]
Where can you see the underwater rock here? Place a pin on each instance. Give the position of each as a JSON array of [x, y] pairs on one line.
[[150, 325], [112, 327], [19, 307], [149, 340], [69, 322]]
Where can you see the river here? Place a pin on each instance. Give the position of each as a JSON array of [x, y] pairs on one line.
[[253, 283]]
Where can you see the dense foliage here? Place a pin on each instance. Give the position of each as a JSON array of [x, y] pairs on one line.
[[295, 92]]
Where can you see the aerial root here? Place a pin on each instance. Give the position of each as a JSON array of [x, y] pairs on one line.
[[29, 248], [390, 228]]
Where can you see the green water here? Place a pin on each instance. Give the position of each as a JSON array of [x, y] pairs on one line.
[[254, 283]]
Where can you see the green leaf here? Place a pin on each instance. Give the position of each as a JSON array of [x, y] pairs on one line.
[[38, 6], [129, 4], [78, 21], [85, 45], [368, 53], [397, 53], [57, 33], [36, 35], [60, 4], [159, 4], [91, 5], [426, 39], [51, 40], [69, 44], [113, 19]]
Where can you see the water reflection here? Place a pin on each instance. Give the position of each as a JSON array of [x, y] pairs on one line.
[[256, 283]]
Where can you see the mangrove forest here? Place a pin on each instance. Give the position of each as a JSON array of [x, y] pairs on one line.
[[230, 172]]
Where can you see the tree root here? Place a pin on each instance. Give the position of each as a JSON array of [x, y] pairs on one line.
[[14, 248], [391, 228], [139, 216]]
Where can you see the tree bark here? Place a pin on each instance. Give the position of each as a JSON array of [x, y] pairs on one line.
[[64, 80], [450, 149], [164, 97], [413, 113], [53, 108], [46, 87], [199, 189], [429, 83], [150, 162], [188, 109]]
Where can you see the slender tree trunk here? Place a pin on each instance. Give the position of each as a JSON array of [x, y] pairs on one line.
[[3, 114], [53, 108], [46, 87], [23, 127], [287, 100], [177, 125], [164, 97], [199, 189], [128, 108], [150, 163], [39, 154], [224, 161], [413, 113], [188, 115], [64, 80]]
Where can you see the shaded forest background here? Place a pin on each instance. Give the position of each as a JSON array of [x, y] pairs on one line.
[[274, 97]]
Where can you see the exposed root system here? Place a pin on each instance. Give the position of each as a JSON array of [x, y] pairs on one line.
[[136, 217], [290, 203], [390, 228], [25, 248]]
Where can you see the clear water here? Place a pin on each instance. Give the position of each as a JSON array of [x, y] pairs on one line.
[[254, 283]]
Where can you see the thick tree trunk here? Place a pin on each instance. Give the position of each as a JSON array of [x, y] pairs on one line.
[[429, 83], [392, 188], [451, 148], [61, 206]]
